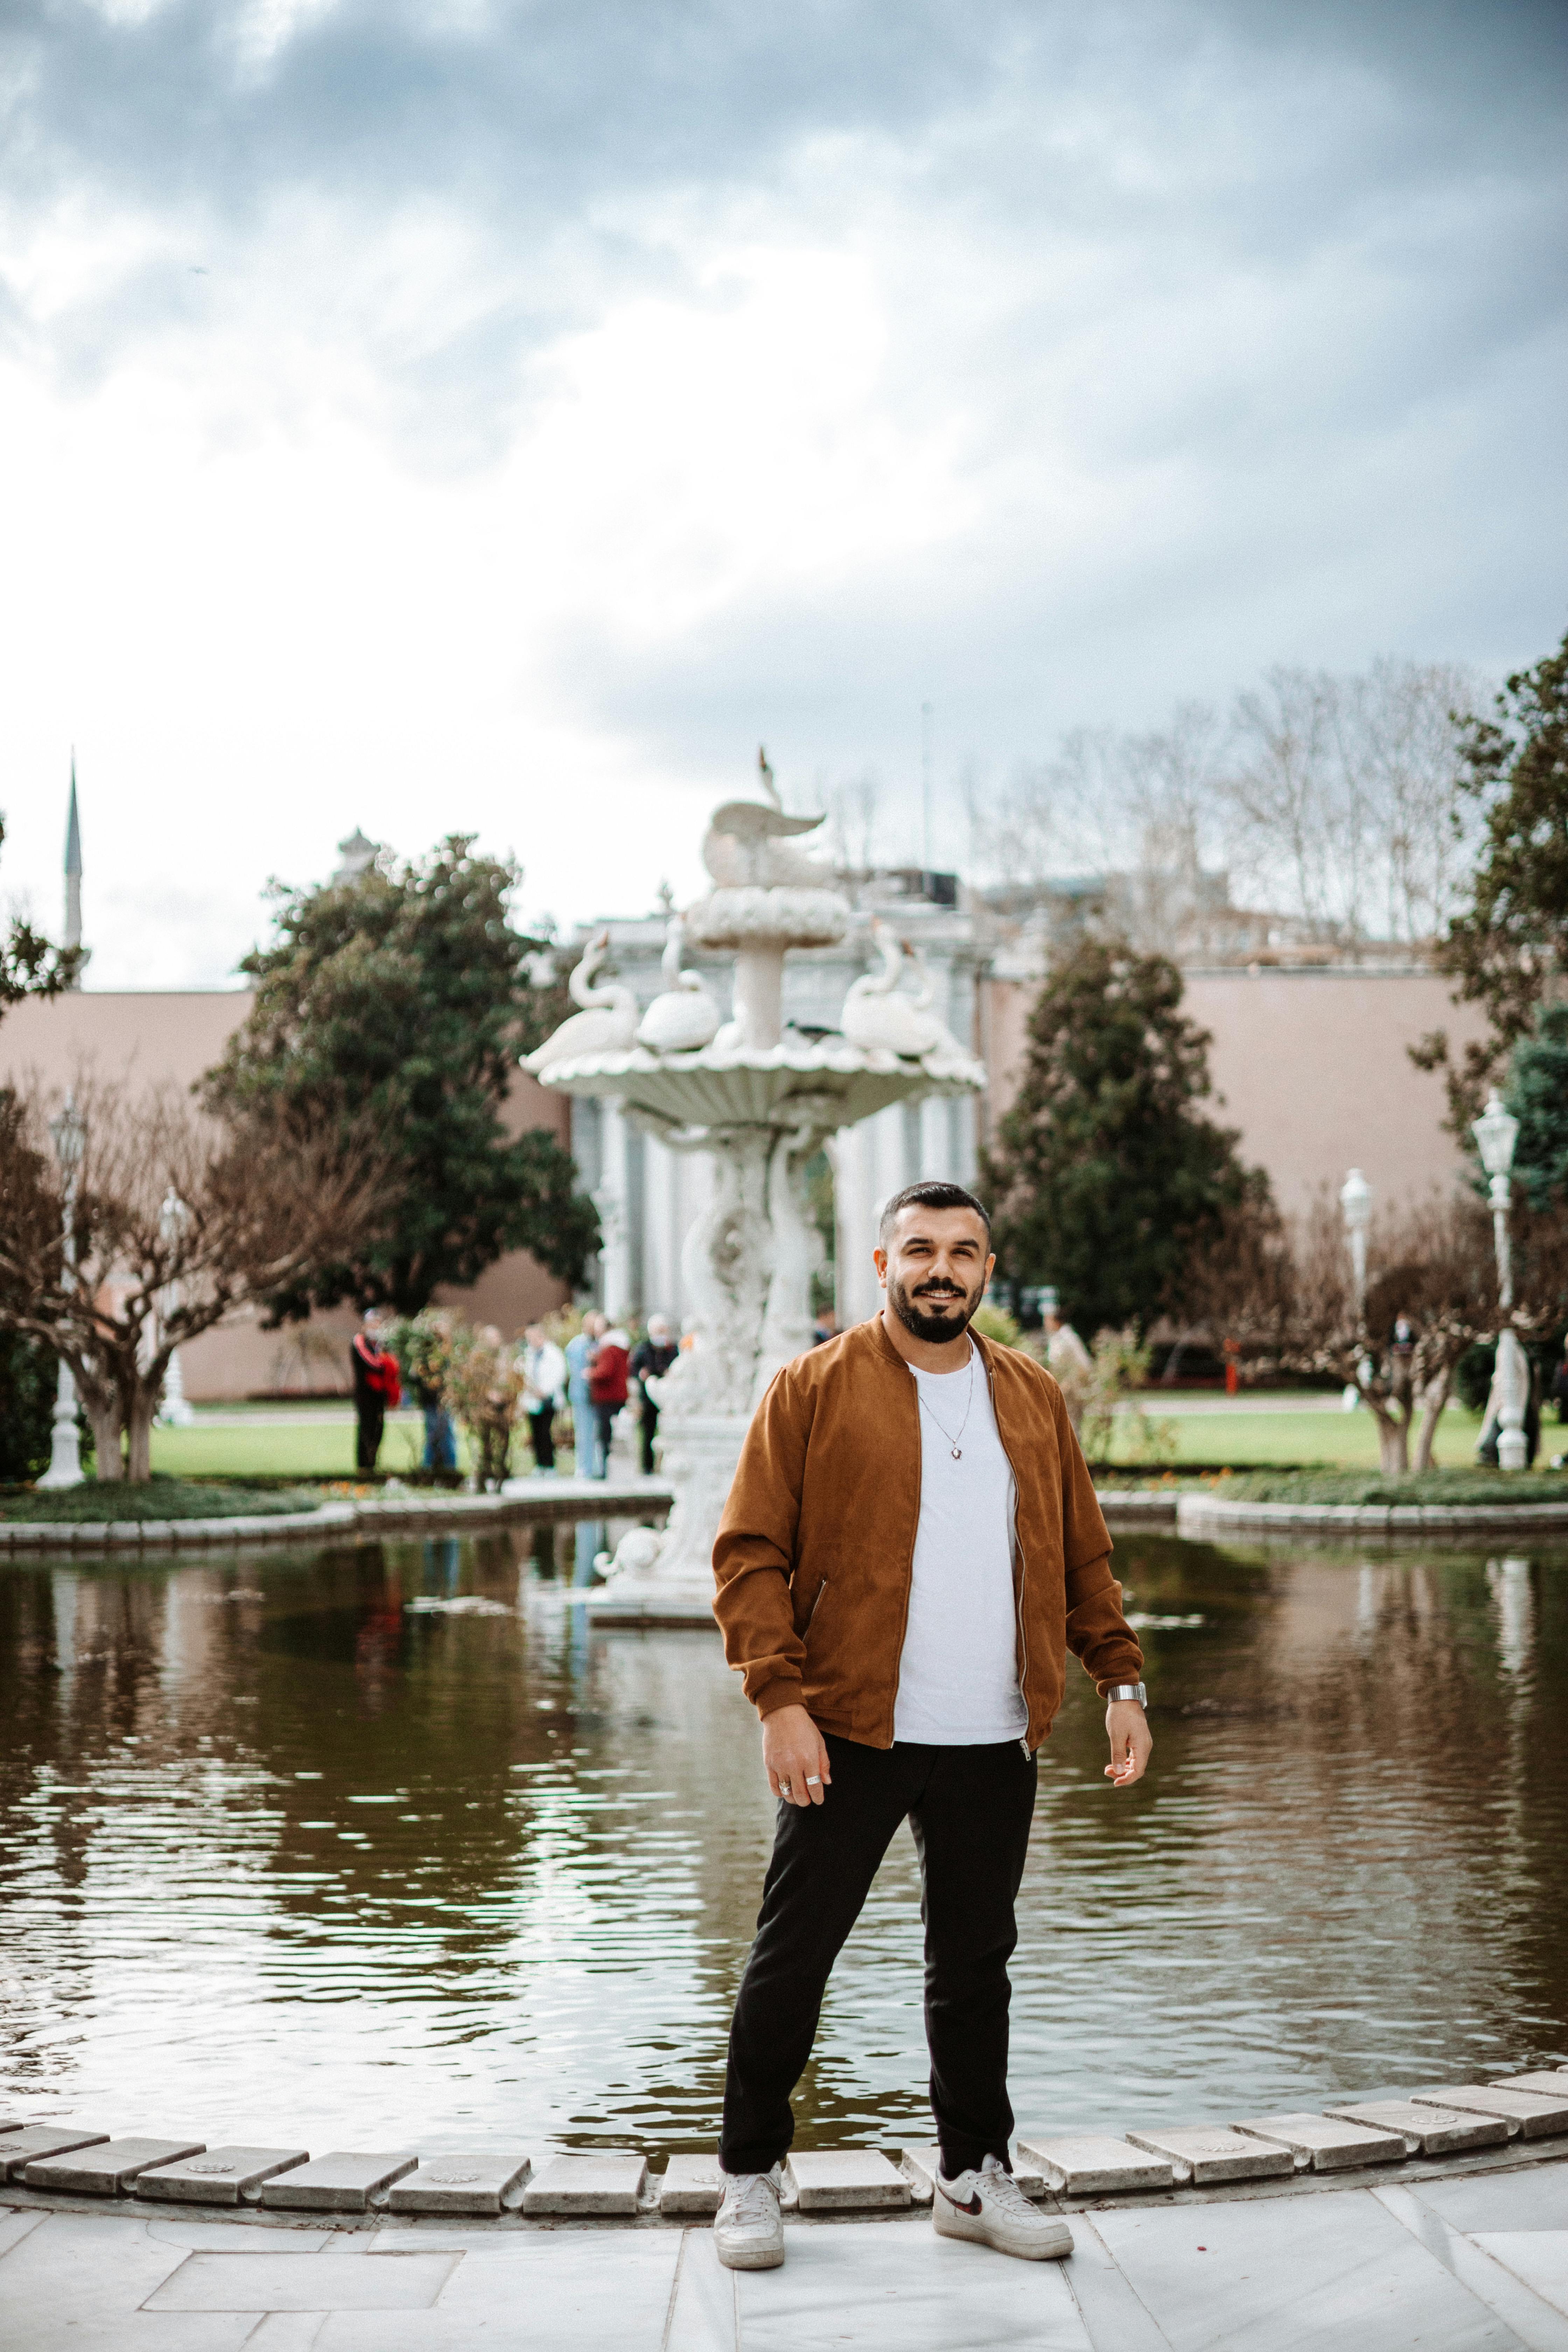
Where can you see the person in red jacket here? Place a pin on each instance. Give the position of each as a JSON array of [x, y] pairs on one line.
[[378, 1387], [608, 1388]]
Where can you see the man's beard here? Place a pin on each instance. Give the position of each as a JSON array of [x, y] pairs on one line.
[[934, 1329]]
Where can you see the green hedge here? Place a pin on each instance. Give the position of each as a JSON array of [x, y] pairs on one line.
[[1457, 1486]]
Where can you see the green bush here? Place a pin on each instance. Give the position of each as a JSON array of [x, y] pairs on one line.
[[1369, 1487], [29, 1378]]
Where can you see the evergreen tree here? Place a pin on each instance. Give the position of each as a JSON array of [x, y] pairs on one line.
[[1506, 947], [1108, 1176], [404, 999], [31, 965], [1538, 1096]]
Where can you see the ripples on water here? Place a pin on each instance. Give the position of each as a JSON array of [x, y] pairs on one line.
[[280, 1853]]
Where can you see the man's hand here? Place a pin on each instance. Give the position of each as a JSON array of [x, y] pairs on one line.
[[796, 1757], [1127, 1728]]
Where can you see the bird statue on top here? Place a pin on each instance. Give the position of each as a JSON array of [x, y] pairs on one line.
[[747, 845]]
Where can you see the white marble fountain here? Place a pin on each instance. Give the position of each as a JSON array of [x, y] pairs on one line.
[[759, 1098]]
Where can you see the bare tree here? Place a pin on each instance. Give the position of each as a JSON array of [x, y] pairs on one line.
[[1284, 1296], [856, 825], [1342, 801], [179, 1223], [1334, 803]]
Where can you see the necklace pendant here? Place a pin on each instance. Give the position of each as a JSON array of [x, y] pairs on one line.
[[958, 1453]]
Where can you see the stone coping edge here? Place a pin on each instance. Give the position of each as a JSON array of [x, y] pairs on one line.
[[1460, 2164], [564, 1498], [1206, 1514], [556, 1500]]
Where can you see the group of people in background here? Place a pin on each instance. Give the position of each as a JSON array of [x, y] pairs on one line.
[[596, 1374]]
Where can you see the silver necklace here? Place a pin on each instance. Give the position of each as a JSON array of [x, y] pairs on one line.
[[952, 1435]]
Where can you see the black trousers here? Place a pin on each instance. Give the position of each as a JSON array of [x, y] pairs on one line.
[[970, 1809], [540, 1436], [372, 1413], [648, 1421]]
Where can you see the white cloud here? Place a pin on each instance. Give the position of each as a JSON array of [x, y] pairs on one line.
[[1050, 392]]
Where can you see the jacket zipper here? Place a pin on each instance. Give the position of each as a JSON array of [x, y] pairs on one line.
[[909, 1569], [816, 1605]]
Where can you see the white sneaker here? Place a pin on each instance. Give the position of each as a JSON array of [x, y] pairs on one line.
[[748, 2229], [989, 2207]]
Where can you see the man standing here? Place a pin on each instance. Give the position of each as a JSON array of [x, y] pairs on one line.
[[376, 1386], [910, 1546], [651, 1358]]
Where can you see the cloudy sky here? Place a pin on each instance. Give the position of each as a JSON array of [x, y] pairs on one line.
[[502, 413]]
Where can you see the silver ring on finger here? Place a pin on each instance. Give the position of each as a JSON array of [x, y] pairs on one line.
[[813, 1780]]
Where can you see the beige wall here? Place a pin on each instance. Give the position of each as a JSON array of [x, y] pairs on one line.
[[1311, 1066], [155, 1036]]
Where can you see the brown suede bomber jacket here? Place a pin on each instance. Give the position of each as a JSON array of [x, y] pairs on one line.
[[816, 1549]]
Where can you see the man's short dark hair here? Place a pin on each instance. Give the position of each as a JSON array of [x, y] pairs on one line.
[[930, 1194]]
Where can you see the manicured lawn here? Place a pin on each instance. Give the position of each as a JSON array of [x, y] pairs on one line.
[[284, 1448], [1346, 1439], [289, 1446]]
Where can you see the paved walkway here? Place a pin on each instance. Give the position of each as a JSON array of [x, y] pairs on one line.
[[1453, 2265]]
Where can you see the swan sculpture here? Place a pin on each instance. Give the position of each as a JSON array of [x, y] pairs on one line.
[[747, 844], [683, 1017], [606, 1024], [878, 1014]]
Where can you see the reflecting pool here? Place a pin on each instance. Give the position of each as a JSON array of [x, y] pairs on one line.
[[288, 1842]]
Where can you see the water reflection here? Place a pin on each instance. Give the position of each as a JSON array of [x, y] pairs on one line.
[[303, 1840]]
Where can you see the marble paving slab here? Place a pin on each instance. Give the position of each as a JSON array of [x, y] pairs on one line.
[[1332, 2271], [1429, 2131], [217, 2176], [609, 2183], [1206, 2153], [1321, 2145], [483, 2181], [103, 2169], [840, 2180], [904, 2289], [304, 2283], [1535, 2199], [1088, 2164], [549, 2291], [342, 2181], [75, 2284], [1539, 2257]]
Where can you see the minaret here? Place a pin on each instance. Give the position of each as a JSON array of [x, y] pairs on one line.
[[73, 869]]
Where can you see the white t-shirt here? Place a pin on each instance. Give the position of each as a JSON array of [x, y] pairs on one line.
[[958, 1676]]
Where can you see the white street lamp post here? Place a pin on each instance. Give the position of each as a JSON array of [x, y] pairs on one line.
[[1496, 1133], [67, 1131], [1355, 1204], [1355, 1201], [173, 1406]]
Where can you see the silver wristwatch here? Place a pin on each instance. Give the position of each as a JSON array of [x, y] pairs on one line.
[[1127, 1690]]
